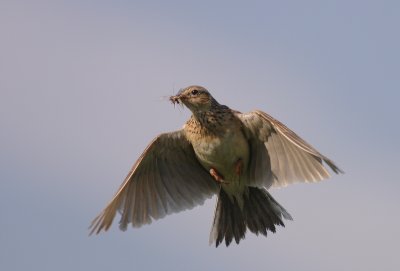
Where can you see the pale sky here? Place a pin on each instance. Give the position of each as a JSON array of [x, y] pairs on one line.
[[82, 92]]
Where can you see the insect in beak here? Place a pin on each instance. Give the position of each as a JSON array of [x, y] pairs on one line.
[[175, 99]]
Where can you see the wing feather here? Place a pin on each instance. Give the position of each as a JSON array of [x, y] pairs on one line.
[[167, 178], [290, 159]]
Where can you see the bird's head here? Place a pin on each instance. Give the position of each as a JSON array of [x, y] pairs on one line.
[[196, 98]]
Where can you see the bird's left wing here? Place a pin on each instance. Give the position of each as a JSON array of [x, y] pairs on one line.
[[167, 178], [278, 155]]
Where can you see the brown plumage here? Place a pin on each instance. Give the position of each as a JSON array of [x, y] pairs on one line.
[[219, 151]]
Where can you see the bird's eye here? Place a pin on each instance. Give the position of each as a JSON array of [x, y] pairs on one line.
[[195, 92]]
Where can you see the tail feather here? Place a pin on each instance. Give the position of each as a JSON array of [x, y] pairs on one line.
[[260, 213], [228, 221]]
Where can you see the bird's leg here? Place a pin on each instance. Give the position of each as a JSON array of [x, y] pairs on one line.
[[239, 167], [218, 177]]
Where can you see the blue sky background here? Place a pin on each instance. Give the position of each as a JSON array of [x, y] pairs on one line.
[[82, 92]]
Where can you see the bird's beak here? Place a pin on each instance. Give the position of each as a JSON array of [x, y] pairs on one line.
[[177, 99]]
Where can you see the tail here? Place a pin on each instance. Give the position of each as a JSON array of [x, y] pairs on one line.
[[260, 213]]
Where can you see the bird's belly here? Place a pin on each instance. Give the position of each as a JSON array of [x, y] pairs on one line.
[[223, 153]]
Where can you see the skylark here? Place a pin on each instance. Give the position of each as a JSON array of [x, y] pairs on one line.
[[219, 151]]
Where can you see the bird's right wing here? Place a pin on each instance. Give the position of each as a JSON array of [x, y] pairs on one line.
[[167, 178]]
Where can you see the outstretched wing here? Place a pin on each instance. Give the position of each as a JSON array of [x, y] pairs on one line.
[[167, 178], [279, 156]]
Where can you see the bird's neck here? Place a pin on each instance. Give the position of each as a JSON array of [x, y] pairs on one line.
[[212, 117]]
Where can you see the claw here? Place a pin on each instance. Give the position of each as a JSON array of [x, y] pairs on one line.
[[239, 167], [218, 178]]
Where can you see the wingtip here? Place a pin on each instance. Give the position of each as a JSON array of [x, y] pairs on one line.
[[98, 224], [94, 226], [333, 166]]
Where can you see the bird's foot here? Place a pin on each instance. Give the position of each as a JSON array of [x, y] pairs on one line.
[[218, 177], [239, 167]]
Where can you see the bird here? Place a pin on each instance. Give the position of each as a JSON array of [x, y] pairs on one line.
[[219, 151]]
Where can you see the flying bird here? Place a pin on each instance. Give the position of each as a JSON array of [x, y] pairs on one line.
[[237, 156]]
